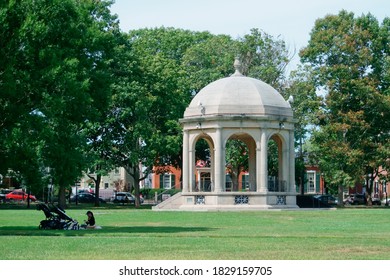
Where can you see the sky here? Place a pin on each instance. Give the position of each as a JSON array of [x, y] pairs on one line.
[[289, 20]]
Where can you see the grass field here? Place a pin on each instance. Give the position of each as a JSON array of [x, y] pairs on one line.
[[144, 234]]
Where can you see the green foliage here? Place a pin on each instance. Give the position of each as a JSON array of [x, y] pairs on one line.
[[306, 106], [273, 159], [209, 60], [92, 97], [264, 57], [52, 82], [202, 150], [349, 56], [237, 159]]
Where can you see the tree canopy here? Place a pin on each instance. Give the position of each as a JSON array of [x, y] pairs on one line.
[[93, 98], [52, 82], [349, 56]]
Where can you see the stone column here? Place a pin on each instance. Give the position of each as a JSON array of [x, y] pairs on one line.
[[291, 183], [286, 160], [252, 164], [219, 165], [198, 182], [212, 167], [191, 164], [258, 166], [185, 167], [263, 162]]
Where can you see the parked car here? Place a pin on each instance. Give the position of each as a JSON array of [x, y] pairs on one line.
[[360, 199], [3, 193], [376, 201], [85, 198], [19, 195], [124, 197], [85, 191], [326, 198], [386, 201], [355, 199]]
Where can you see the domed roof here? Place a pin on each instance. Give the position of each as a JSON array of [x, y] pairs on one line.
[[238, 95]]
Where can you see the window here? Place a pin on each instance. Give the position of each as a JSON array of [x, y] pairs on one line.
[[376, 187], [245, 181], [167, 181], [229, 183], [311, 182]]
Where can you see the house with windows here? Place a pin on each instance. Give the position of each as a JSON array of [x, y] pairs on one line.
[[313, 181], [116, 180], [166, 180]]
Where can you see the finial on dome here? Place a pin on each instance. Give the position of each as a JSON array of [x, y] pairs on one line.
[[237, 66]]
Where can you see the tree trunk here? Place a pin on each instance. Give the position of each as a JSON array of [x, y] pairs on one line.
[[301, 183], [134, 172], [136, 177], [340, 193], [369, 190], [234, 177], [62, 197], [97, 186]]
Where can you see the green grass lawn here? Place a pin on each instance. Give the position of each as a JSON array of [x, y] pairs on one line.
[[145, 234]]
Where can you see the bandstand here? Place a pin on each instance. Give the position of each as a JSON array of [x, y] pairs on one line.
[[245, 109]]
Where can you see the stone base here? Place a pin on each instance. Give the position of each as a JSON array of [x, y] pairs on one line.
[[228, 201]]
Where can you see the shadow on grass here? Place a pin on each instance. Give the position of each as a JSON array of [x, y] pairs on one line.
[[30, 231]]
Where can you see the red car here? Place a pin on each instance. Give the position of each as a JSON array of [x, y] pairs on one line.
[[19, 195]]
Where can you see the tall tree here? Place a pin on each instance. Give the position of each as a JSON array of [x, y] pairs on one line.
[[109, 46], [264, 57], [56, 77], [209, 60], [305, 104], [350, 58], [146, 106]]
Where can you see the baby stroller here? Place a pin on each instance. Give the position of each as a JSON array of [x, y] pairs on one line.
[[56, 218]]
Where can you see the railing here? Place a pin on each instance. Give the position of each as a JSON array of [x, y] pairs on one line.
[[202, 186], [159, 196], [273, 186], [277, 186]]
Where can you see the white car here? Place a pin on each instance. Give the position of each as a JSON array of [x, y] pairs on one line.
[[386, 201], [124, 197]]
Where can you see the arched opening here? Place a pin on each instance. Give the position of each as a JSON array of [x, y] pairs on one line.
[[203, 165], [276, 183], [237, 163], [240, 163]]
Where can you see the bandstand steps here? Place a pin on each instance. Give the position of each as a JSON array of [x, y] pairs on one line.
[[173, 203]]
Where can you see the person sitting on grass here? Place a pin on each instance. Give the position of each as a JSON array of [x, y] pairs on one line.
[[90, 223]]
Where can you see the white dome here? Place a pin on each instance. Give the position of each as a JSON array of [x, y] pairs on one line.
[[237, 95]]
